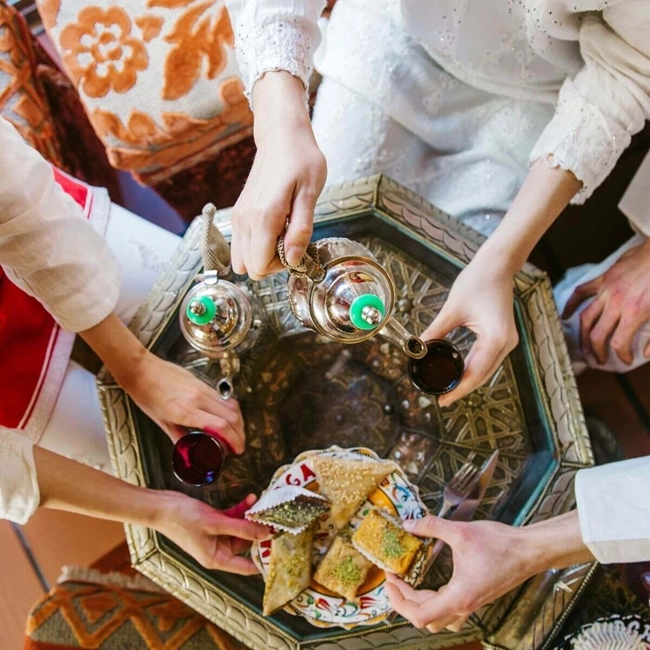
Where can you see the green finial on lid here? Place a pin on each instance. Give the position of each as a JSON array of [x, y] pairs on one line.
[[367, 311], [201, 311]]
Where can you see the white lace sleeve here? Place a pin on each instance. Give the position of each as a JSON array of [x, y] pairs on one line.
[[19, 492], [608, 101], [275, 35]]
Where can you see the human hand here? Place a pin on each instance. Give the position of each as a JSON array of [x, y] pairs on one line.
[[480, 299], [214, 538], [174, 398], [490, 559], [620, 306], [285, 181]]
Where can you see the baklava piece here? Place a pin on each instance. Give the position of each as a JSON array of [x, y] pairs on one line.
[[343, 569], [386, 544]]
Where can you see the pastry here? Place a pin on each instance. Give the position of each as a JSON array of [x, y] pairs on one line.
[[291, 509], [289, 569], [347, 482], [386, 544], [343, 569]]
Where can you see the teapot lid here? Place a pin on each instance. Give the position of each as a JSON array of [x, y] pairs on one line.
[[367, 311]]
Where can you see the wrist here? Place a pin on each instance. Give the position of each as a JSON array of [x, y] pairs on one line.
[[159, 508], [556, 543], [279, 99]]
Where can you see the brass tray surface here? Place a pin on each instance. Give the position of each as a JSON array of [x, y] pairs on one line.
[[299, 391]]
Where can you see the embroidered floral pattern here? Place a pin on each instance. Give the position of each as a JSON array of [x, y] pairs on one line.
[[194, 36], [158, 78], [149, 26], [100, 52]]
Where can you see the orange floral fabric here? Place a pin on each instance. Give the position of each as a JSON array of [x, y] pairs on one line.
[[104, 616], [158, 78], [22, 100]]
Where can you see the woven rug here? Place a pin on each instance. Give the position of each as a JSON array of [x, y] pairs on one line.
[[111, 607]]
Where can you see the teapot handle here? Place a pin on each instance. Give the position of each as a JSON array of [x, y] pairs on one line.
[[309, 266]]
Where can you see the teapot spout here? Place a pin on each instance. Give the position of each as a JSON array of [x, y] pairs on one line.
[[412, 346]]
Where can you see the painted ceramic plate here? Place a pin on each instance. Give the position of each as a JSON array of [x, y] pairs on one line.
[[317, 604]]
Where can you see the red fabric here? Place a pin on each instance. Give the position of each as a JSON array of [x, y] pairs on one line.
[[27, 335]]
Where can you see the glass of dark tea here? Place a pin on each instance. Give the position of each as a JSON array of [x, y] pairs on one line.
[[440, 370], [198, 458]]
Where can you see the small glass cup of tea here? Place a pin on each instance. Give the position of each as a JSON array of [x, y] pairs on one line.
[[198, 458], [439, 370]]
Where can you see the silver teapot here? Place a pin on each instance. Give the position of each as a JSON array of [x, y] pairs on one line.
[[219, 318], [340, 291]]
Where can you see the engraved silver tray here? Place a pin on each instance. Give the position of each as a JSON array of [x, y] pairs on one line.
[[299, 391]]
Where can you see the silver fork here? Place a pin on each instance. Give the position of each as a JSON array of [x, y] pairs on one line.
[[458, 487]]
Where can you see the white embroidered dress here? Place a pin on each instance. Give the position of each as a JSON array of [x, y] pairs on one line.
[[455, 98]]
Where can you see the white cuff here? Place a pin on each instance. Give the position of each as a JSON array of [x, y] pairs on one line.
[[19, 492], [614, 508], [276, 43], [582, 139]]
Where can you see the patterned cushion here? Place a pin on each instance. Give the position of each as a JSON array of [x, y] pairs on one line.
[[22, 98], [158, 78], [86, 615]]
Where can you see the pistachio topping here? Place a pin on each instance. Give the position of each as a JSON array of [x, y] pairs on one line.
[[348, 572], [391, 543]]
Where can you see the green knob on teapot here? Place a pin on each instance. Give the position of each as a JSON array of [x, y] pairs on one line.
[[367, 311], [201, 311]]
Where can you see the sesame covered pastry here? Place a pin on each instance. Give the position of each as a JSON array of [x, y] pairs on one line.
[[387, 545], [289, 570], [347, 482], [343, 569], [290, 508]]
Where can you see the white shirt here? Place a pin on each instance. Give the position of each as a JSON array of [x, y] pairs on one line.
[[49, 249], [591, 57]]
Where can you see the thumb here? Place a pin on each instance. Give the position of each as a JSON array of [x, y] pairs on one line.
[[300, 229], [443, 323], [431, 526]]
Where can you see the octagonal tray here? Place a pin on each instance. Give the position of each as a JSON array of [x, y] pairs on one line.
[[299, 391]]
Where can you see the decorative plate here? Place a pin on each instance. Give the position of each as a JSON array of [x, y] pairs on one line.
[[321, 607]]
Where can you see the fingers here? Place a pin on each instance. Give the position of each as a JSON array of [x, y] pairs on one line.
[[601, 334], [236, 247], [581, 293], [242, 566], [442, 624], [221, 524], [223, 419], [588, 318], [237, 511], [481, 363], [300, 227], [431, 526], [263, 239], [422, 607], [443, 323], [623, 337]]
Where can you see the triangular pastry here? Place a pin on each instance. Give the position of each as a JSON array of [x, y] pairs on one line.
[[289, 569], [347, 483]]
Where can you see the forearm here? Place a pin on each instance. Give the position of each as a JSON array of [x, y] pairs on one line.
[[556, 543], [117, 347], [541, 199], [68, 485]]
